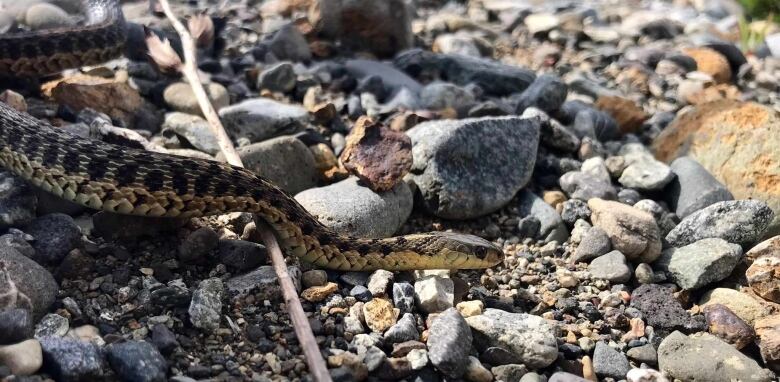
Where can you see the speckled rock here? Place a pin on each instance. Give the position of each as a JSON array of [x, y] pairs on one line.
[[743, 134], [71, 360], [528, 337], [631, 231], [137, 361], [31, 285], [608, 362], [594, 243], [612, 267], [661, 310], [551, 226], [449, 342], [763, 275], [434, 293], [700, 263], [55, 235], [352, 209], [206, 306], [736, 221], [705, 357], [23, 358], [451, 190], [747, 307]]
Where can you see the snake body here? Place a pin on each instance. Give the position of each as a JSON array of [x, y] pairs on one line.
[[118, 179]]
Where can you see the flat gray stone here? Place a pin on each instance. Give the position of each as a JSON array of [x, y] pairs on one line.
[[608, 362], [471, 167], [258, 119], [612, 266], [192, 130], [645, 173], [32, 285], [552, 226], [594, 243], [355, 210], [736, 221], [528, 337], [449, 342], [704, 357], [701, 263], [693, 188], [285, 161]]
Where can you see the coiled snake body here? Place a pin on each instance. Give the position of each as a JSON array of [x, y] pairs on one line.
[[126, 181]]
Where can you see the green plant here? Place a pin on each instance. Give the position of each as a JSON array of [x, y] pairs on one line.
[[760, 9], [750, 37]]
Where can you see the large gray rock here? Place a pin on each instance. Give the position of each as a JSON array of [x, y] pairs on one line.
[[530, 338], [608, 362], [694, 188], [30, 285], [355, 210], [494, 77], [285, 161], [258, 119], [704, 357], [701, 263], [449, 342], [471, 167], [736, 221], [552, 226]]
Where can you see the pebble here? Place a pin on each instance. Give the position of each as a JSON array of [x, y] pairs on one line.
[[645, 375], [319, 293], [595, 124], [701, 263], [163, 339], [612, 267], [661, 310], [434, 293], [595, 242], [584, 186], [452, 191], [608, 362], [476, 372], [263, 281], [284, 160], [192, 129], [403, 330], [28, 284], [693, 188], [277, 78], [72, 360], [632, 232], [380, 281], [470, 308], [288, 43], [563, 376], [705, 357], [205, 309], [55, 235], [723, 323], [644, 173], [768, 330], [241, 255], [16, 325], [314, 278], [352, 209], [198, 245], [23, 358], [530, 338], [551, 226], [645, 354], [403, 297], [376, 154], [573, 210], [449, 342], [137, 361], [180, 97], [440, 95], [392, 78], [379, 314], [418, 358], [258, 119], [737, 221], [546, 93], [763, 275]]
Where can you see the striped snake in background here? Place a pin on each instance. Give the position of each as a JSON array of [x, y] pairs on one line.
[[136, 182]]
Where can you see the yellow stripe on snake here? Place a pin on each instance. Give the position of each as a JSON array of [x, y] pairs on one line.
[[136, 182]]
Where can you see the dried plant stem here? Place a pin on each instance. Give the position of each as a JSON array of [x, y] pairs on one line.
[[190, 72], [300, 322]]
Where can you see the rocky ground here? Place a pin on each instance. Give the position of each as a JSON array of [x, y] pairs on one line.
[[625, 155]]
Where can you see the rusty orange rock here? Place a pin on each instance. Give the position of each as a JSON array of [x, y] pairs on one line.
[[711, 62], [735, 141], [628, 115], [380, 157]]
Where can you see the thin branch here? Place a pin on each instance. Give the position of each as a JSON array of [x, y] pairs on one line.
[[190, 72], [300, 322], [311, 351]]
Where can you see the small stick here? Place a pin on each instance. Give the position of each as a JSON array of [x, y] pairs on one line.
[[300, 322], [190, 72], [311, 351]]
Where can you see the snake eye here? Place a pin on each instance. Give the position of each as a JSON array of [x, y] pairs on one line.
[[480, 252]]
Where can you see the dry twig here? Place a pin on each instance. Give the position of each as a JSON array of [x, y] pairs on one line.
[[189, 69]]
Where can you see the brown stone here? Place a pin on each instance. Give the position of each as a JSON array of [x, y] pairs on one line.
[[723, 323], [382, 27], [319, 293], [327, 163], [711, 62], [768, 330], [628, 115], [380, 157], [403, 348], [735, 141], [14, 99], [632, 231], [747, 307], [117, 99], [763, 275], [379, 314]]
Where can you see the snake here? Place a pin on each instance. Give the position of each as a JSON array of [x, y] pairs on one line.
[[122, 180]]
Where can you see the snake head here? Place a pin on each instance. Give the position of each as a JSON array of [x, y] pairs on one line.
[[471, 251]]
